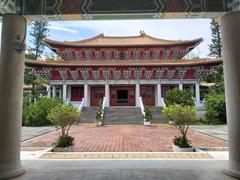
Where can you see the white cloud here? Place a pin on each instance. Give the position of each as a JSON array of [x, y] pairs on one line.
[[59, 28]]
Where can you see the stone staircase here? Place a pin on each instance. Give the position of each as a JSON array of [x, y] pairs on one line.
[[157, 116], [89, 115], [122, 115]]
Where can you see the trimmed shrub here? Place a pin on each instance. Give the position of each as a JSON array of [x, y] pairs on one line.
[[216, 109], [148, 114], [180, 117], [64, 116], [180, 97], [36, 114]]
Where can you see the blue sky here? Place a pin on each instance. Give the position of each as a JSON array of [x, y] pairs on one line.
[[166, 29]]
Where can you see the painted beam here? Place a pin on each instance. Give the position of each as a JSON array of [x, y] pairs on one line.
[[118, 9]]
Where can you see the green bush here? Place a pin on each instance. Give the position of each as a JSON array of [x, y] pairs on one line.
[[216, 108], [36, 114], [148, 114], [98, 116], [181, 117], [64, 141], [64, 116], [177, 96], [30, 116]]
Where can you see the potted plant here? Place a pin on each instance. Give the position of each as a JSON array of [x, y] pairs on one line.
[[99, 120], [180, 117], [147, 116], [99, 115], [64, 116]]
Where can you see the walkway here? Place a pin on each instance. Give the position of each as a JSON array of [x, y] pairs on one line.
[[124, 170], [218, 131], [157, 138], [31, 132]]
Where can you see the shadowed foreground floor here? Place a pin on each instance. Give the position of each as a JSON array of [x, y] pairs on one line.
[[124, 170]]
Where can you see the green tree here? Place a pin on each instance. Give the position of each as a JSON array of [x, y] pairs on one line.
[[177, 96], [215, 49], [180, 117], [37, 83], [216, 45], [64, 116], [39, 31]]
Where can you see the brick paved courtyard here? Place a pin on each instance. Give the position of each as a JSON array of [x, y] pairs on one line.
[[125, 138]]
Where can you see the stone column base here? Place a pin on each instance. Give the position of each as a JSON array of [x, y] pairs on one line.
[[11, 169], [233, 169]]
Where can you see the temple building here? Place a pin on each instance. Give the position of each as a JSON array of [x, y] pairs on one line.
[[122, 69]]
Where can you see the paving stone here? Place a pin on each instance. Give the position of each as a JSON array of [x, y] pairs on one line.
[[125, 138]]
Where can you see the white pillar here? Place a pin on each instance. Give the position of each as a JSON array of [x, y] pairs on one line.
[[86, 94], [137, 96], [11, 93], [231, 52], [159, 94], [48, 91], [54, 91], [64, 92], [107, 94], [197, 92], [181, 86]]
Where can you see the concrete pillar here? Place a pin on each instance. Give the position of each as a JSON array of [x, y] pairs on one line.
[[107, 94], [86, 94], [231, 52], [197, 93], [48, 91], [64, 92], [159, 94], [181, 86], [54, 91], [137, 95], [11, 93]]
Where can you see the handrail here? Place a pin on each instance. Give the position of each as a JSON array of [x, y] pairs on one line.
[[142, 107], [162, 103], [82, 104]]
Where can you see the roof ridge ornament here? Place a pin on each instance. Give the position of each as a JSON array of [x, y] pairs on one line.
[[142, 33]]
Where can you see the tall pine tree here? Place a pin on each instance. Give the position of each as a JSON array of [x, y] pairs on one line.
[[216, 46], [215, 49], [39, 31]]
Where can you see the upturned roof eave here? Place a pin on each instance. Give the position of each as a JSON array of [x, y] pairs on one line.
[[54, 44], [31, 63]]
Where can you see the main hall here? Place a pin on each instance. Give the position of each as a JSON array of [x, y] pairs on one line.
[[123, 70]]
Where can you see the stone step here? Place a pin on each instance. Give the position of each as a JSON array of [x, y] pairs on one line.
[[122, 115], [89, 115], [157, 116]]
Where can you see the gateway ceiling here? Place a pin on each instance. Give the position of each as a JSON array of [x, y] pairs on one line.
[[117, 9]]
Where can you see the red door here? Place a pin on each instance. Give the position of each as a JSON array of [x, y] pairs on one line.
[[77, 93], [97, 95], [148, 95], [122, 96]]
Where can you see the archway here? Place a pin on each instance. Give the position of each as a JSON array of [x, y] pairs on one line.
[[12, 56]]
